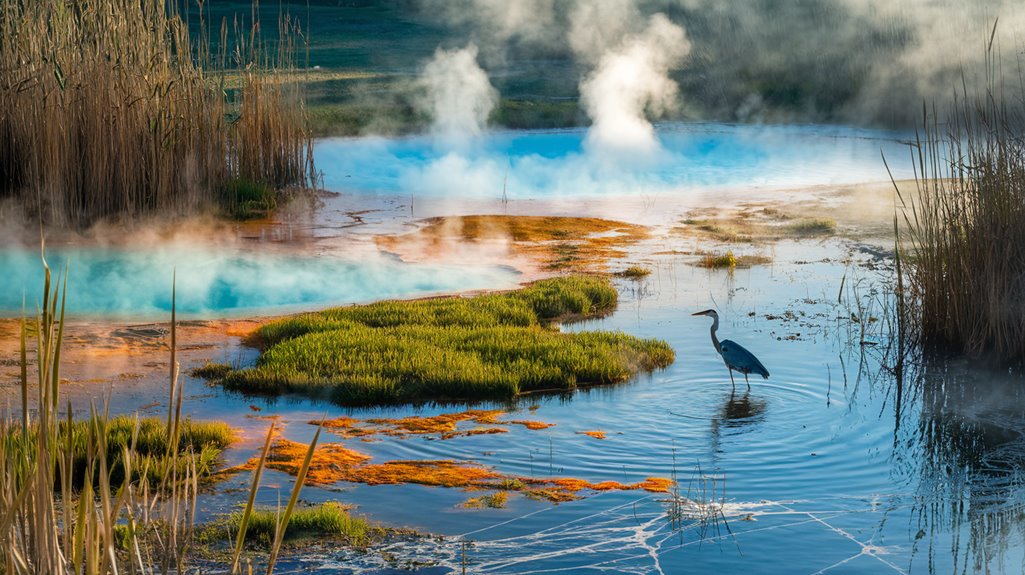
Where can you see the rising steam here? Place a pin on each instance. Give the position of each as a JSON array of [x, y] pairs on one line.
[[866, 62], [459, 96], [630, 82]]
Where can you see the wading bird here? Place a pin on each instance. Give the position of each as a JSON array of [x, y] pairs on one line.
[[733, 354]]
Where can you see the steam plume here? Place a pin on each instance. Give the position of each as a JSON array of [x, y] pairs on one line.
[[630, 81], [459, 95]]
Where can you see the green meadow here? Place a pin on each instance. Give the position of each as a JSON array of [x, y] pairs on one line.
[[450, 349]]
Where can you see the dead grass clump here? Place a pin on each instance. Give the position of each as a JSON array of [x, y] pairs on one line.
[[120, 112], [813, 227], [716, 260], [729, 260]]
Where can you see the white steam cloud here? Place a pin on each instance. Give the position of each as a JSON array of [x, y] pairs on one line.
[[630, 82], [459, 95]]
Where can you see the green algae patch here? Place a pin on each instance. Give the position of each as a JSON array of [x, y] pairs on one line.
[[494, 346]]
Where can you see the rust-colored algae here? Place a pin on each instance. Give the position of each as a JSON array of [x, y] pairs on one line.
[[598, 434], [530, 424], [440, 473], [331, 463], [445, 425]]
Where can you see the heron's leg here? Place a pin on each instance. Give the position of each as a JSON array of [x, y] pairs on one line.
[[747, 380], [731, 378]]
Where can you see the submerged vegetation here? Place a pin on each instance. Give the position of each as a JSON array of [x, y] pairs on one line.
[[453, 348], [962, 283], [121, 111]]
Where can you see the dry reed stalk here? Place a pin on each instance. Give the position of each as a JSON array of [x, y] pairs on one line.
[[963, 275], [108, 108]]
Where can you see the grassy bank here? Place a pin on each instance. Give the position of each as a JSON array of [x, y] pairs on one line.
[[116, 107], [486, 347]]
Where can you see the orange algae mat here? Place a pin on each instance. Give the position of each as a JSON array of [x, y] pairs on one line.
[[445, 426], [333, 462]]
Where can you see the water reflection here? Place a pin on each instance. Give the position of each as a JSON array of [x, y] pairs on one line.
[[968, 449], [738, 415]]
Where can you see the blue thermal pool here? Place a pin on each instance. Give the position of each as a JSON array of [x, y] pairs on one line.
[[137, 284], [555, 164]]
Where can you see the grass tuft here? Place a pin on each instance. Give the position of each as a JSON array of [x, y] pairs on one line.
[[716, 260], [634, 272], [813, 227], [486, 347], [327, 520]]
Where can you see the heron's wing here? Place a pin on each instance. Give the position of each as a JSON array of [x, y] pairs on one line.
[[740, 359]]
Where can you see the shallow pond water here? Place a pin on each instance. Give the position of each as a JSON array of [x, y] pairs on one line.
[[824, 467], [828, 466]]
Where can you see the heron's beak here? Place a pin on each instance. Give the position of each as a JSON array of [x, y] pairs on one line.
[[698, 313]]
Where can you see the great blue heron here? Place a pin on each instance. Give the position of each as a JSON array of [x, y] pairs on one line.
[[733, 354]]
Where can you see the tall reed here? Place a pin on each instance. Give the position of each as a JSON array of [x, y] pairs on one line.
[[962, 274], [109, 107]]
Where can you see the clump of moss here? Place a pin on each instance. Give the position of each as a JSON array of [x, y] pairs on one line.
[[486, 347], [327, 520], [634, 272], [813, 227]]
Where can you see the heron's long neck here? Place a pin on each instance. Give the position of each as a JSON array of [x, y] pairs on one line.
[[715, 340]]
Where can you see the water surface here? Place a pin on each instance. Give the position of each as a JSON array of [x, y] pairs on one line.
[[557, 164]]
